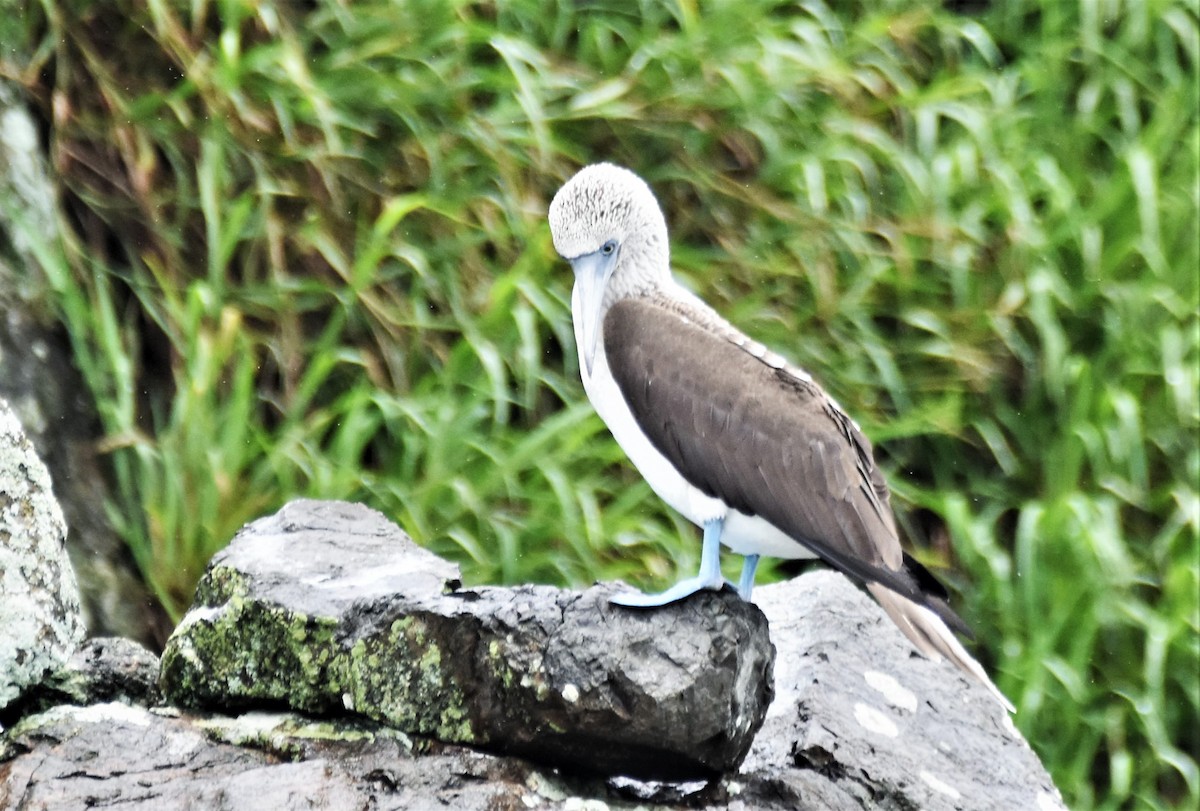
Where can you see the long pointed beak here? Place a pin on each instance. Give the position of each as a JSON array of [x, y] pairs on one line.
[[591, 278]]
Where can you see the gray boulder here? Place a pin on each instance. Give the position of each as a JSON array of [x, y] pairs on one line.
[[328, 608], [861, 720], [40, 620]]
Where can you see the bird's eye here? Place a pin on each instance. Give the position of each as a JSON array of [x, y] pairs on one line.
[[609, 248]]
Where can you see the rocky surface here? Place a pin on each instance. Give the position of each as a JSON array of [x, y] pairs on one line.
[[40, 620], [47, 393], [102, 670], [327, 608], [275, 762], [308, 655], [861, 720]]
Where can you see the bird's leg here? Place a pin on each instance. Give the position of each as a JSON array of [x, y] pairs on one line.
[[746, 581], [708, 578]]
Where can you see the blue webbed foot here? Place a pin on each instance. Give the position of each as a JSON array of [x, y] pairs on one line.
[[708, 578], [684, 588]]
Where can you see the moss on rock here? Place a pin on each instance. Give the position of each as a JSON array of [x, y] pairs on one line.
[[327, 608]]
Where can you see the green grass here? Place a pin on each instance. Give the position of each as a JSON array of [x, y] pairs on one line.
[[307, 255]]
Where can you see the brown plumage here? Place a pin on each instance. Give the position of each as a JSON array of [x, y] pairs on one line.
[[730, 434]]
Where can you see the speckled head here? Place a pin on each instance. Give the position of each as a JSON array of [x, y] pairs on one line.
[[604, 202], [607, 224]]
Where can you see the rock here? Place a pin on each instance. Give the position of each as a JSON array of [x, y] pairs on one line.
[[40, 620], [861, 720], [114, 755], [39, 379], [103, 670], [327, 607]]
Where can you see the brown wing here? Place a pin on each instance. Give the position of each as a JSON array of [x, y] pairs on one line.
[[763, 439]]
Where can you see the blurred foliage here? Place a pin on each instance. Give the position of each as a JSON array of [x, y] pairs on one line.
[[308, 256]]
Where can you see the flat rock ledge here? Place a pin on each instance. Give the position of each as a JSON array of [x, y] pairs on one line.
[[328, 608]]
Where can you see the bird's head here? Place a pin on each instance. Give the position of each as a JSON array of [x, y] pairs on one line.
[[607, 224]]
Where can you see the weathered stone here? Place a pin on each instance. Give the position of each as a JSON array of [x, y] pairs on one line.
[[861, 720], [39, 379], [40, 622], [327, 607], [103, 670], [114, 755]]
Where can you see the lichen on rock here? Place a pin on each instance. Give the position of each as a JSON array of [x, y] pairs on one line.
[[40, 620], [328, 607]]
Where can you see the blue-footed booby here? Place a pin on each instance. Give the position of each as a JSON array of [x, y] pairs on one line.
[[731, 435]]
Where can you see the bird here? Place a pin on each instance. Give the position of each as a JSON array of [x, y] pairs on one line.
[[727, 432]]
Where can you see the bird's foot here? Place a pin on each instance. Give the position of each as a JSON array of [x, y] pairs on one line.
[[684, 588], [709, 577]]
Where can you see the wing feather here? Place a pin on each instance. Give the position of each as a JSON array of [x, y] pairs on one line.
[[759, 435]]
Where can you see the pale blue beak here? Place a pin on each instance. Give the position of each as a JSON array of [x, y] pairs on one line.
[[592, 272]]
